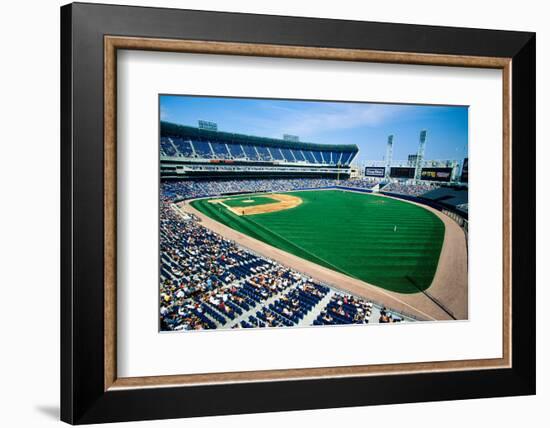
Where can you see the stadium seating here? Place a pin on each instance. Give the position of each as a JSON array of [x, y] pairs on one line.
[[199, 188], [345, 309], [359, 183], [450, 196], [183, 148], [167, 148], [220, 151], [209, 282], [236, 151], [276, 154], [409, 189], [189, 142], [177, 147], [263, 153], [251, 153], [202, 149]]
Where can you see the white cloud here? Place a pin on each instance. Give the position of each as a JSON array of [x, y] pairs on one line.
[[324, 117]]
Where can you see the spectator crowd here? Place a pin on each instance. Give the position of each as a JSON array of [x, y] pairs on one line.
[[209, 282], [409, 189]]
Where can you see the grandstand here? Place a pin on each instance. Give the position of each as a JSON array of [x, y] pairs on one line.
[[449, 196], [189, 152], [208, 281], [452, 199]]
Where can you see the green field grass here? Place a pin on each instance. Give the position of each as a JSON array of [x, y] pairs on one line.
[[389, 243], [256, 200]]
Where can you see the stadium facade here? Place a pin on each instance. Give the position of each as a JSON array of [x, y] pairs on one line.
[[188, 152]]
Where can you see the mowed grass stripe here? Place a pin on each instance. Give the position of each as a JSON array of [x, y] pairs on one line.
[[250, 228], [352, 233]]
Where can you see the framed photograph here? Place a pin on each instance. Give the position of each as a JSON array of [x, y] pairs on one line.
[[266, 213]]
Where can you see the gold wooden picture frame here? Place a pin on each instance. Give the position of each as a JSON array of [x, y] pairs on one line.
[[115, 43]]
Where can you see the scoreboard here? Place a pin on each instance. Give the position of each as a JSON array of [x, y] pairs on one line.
[[371, 171], [436, 174], [401, 172]]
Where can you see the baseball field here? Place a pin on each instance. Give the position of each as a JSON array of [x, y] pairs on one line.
[[385, 242]]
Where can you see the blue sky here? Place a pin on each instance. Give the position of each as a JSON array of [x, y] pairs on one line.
[[365, 124]]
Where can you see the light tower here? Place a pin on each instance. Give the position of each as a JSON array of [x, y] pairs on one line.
[[420, 155], [389, 155], [454, 171]]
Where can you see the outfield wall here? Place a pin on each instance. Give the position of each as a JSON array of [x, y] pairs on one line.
[[254, 193], [354, 189]]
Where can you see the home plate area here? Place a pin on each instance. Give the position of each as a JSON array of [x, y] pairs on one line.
[[255, 204]]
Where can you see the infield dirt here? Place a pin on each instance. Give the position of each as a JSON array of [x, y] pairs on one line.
[[285, 202]]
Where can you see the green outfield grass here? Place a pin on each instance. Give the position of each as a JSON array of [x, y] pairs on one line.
[[389, 243], [256, 200]]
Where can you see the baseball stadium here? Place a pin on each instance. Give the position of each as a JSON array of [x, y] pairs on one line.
[[259, 232]]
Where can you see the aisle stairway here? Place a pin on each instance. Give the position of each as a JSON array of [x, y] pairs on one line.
[[314, 313], [264, 304]]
